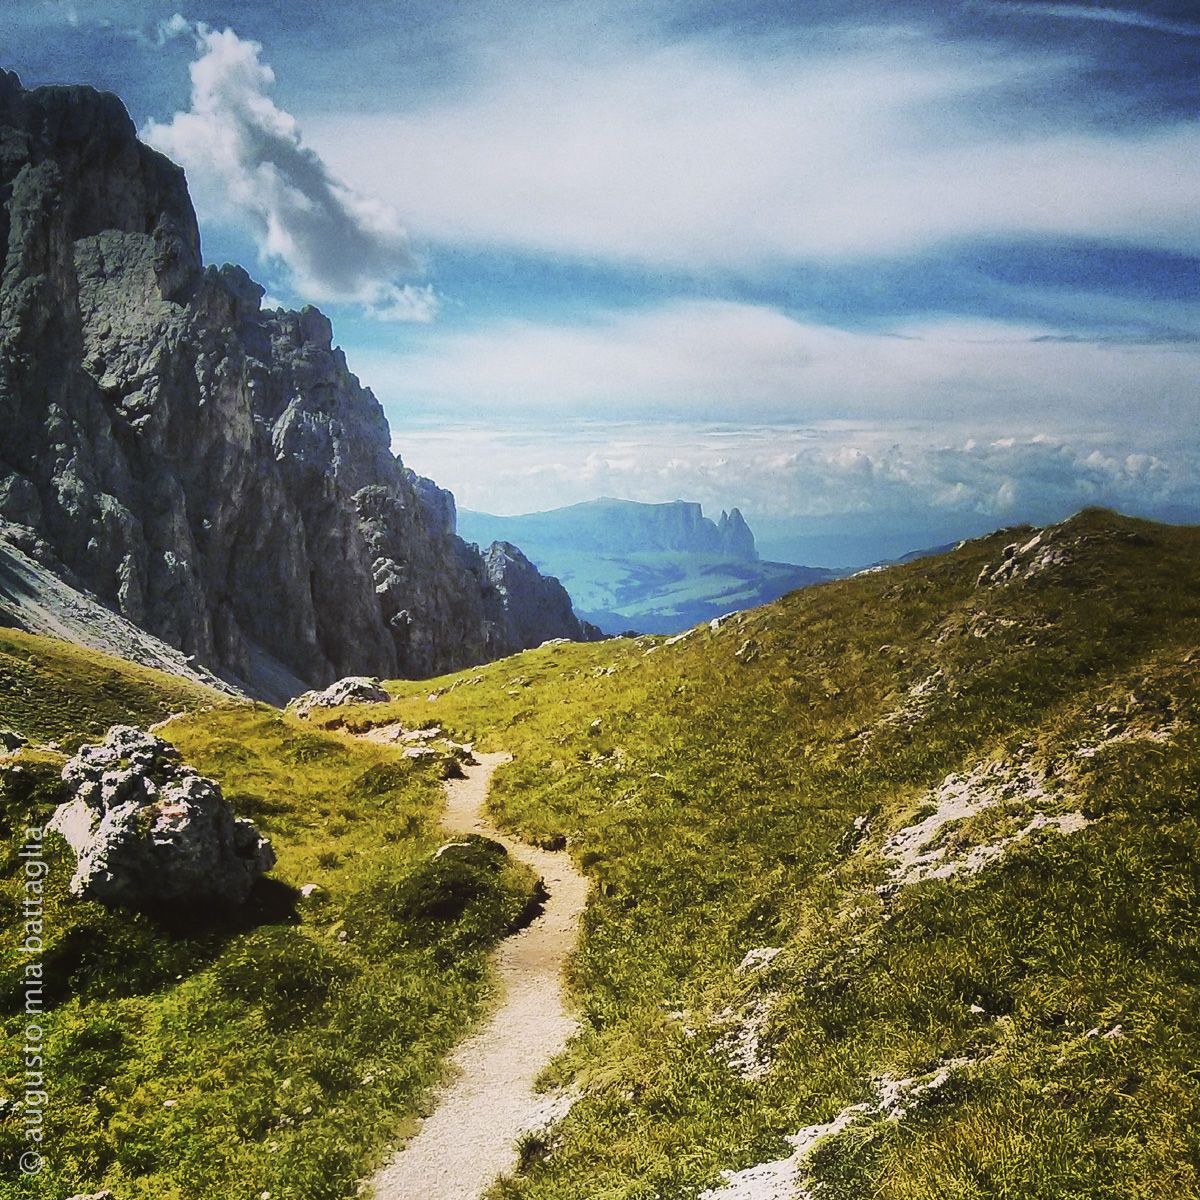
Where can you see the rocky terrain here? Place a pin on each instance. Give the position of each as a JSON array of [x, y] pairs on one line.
[[209, 470], [36, 600], [148, 829]]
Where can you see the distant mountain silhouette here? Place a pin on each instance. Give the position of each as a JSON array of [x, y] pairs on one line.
[[659, 568]]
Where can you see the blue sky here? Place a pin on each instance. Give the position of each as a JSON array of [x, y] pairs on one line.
[[887, 272]]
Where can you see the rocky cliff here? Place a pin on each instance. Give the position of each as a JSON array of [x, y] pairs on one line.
[[210, 470], [538, 606], [734, 536]]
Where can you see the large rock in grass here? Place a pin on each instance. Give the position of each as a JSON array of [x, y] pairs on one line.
[[354, 689], [146, 828]]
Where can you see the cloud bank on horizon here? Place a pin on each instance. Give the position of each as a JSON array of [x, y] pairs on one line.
[[887, 230], [827, 495]]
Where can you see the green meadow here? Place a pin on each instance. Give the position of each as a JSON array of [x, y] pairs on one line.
[[276, 1049], [737, 789]]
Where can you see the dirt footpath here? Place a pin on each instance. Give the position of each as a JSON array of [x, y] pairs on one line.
[[471, 1136]]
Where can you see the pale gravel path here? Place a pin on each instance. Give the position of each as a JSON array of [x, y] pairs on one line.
[[471, 1136]]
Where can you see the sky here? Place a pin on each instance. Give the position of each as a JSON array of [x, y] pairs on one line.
[[881, 273]]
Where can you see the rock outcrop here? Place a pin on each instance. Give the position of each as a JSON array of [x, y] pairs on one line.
[[35, 599], [146, 828], [734, 536], [209, 470], [537, 606], [354, 689]]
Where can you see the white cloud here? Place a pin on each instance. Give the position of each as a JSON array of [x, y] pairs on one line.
[[172, 27], [694, 156], [1083, 12], [405, 303], [721, 360], [871, 477], [246, 162]]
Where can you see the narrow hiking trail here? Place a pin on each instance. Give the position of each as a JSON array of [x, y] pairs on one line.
[[471, 1136]]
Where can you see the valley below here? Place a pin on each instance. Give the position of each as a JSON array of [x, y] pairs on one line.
[[649, 568]]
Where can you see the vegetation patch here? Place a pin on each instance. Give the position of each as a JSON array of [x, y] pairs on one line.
[[733, 790], [277, 1048], [749, 965], [52, 691]]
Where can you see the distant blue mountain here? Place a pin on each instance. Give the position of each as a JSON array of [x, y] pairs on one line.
[[618, 527], [658, 568]]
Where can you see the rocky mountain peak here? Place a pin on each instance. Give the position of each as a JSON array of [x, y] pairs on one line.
[[735, 537], [212, 472]]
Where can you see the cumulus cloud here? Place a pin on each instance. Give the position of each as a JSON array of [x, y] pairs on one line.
[[932, 432], [723, 360], [246, 162], [700, 156]]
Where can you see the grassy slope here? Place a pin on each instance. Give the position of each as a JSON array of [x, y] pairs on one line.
[[195, 1055], [714, 805], [53, 691]]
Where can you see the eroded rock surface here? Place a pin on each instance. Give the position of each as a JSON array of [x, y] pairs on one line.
[[354, 689], [209, 470], [537, 606], [145, 827], [35, 599]]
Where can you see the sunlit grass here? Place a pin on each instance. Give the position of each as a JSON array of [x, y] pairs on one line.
[[196, 1054], [711, 789], [714, 802]]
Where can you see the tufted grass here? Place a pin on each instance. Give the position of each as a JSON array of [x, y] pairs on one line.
[[710, 788], [54, 691], [275, 1050], [714, 803]]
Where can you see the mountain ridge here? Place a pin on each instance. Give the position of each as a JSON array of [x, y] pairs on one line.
[[210, 470], [658, 568], [612, 525]]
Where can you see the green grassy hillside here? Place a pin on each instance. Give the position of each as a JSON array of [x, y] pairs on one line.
[[197, 1054], [751, 787], [54, 691], [959, 798]]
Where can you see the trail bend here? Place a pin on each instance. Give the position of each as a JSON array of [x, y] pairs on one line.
[[471, 1136]]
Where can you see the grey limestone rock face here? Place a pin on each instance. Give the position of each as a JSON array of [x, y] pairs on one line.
[[145, 827], [211, 471], [536, 606], [40, 601]]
